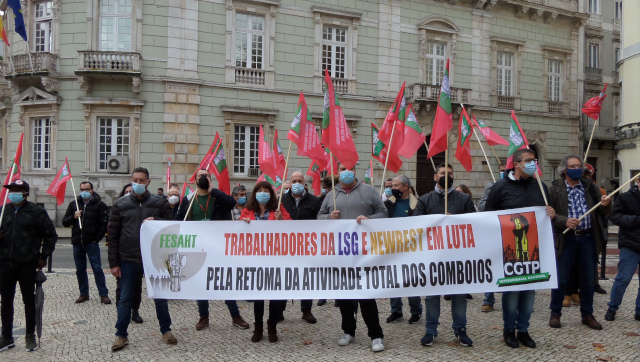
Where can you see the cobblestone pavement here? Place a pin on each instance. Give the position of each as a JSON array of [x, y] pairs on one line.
[[86, 332]]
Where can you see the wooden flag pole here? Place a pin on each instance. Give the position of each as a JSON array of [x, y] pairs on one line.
[[494, 153], [485, 156], [593, 130], [75, 197], [6, 194], [232, 218], [195, 194], [386, 160], [606, 197], [446, 176], [432, 163], [333, 181], [284, 177], [541, 188]]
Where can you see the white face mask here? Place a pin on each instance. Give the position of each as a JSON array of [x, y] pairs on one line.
[[173, 199]]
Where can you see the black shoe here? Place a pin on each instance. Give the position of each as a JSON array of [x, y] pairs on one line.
[[447, 297], [428, 340], [637, 317], [415, 318], [30, 342], [394, 317], [135, 316], [599, 289], [611, 315], [510, 338], [525, 338], [469, 296], [464, 338], [321, 302], [6, 343]]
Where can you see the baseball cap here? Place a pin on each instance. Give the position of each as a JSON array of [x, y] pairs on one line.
[[18, 184]]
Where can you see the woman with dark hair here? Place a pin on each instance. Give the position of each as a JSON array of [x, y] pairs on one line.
[[466, 190], [263, 205], [126, 190]]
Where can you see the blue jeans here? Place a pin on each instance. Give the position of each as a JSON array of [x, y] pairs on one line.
[[415, 305], [458, 312], [489, 298], [80, 255], [627, 265], [203, 308], [131, 274], [517, 308], [582, 249]]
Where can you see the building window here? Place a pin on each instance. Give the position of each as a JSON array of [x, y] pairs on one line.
[[41, 143], [594, 6], [618, 10], [436, 59], [249, 41], [504, 74], [616, 57], [44, 26], [334, 51], [245, 150], [113, 139], [594, 55], [555, 80], [115, 25]]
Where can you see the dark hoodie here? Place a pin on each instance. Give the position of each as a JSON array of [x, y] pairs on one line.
[[94, 220]]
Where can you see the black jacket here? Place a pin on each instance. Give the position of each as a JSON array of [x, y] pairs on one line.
[[24, 232], [127, 216], [626, 214], [94, 220], [306, 209], [175, 211], [433, 204], [222, 206], [511, 194]]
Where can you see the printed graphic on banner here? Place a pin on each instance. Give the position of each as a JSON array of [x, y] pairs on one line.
[[521, 255]]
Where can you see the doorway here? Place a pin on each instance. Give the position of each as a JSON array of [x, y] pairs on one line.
[[424, 171]]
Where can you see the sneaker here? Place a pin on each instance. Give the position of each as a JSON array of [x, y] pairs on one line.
[[30, 341], [321, 302], [428, 340], [415, 318], [346, 339], [240, 323], [6, 343], [463, 338], [202, 323], [486, 307], [394, 317], [566, 303], [169, 338], [611, 315], [377, 345], [119, 343], [308, 316]]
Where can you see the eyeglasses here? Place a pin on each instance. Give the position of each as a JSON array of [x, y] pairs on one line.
[[85, 189], [578, 166], [528, 160]]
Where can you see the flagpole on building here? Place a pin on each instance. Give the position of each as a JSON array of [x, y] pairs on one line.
[[482, 148], [333, 181], [75, 197], [284, 177], [432, 163], [6, 194], [593, 130], [386, 160]]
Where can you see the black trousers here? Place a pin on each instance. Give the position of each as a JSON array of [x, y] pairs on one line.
[[137, 296], [276, 307], [12, 273], [305, 305], [369, 311]]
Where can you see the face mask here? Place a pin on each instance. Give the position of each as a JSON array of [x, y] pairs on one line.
[[174, 199], [323, 191], [574, 173], [449, 181], [297, 189], [286, 191], [396, 193], [242, 200], [16, 197], [347, 177], [530, 168], [203, 182], [86, 195], [127, 193], [388, 192], [138, 189], [501, 174], [263, 197]]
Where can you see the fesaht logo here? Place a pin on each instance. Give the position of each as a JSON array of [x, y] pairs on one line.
[[178, 254], [520, 252]]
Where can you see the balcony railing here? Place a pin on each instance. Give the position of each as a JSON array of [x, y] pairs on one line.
[[39, 62], [537, 2], [507, 102], [556, 107], [250, 76], [594, 74], [594, 21], [617, 25], [431, 92], [108, 61]]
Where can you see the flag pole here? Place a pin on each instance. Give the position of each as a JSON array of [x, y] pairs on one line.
[[386, 160], [606, 197], [494, 153], [75, 197], [195, 194], [232, 218], [432, 163], [333, 181], [284, 177], [371, 166], [593, 130], [6, 194], [446, 176], [484, 153]]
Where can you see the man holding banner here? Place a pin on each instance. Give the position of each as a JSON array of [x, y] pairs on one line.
[[518, 189], [433, 204], [355, 200]]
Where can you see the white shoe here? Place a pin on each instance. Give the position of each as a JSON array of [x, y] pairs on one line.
[[377, 345], [346, 339]]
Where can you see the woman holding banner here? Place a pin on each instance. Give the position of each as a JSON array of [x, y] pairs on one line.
[[263, 205]]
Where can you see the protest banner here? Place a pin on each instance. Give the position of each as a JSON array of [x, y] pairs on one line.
[[339, 259]]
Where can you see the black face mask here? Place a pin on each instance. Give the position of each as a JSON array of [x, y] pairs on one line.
[[203, 182], [396, 193], [449, 181]]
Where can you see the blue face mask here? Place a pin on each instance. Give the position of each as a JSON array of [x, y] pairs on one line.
[[574, 173], [530, 168], [16, 197], [501, 174], [263, 197], [297, 189], [286, 191], [138, 189], [323, 191], [86, 195], [388, 192], [242, 201], [347, 177]]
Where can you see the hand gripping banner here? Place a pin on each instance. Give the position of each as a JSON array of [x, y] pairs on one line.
[[339, 259]]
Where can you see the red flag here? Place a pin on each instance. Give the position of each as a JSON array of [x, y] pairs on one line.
[[397, 116], [303, 133], [186, 187], [266, 159], [490, 135], [314, 172], [593, 106], [413, 136], [379, 151], [220, 169], [281, 162], [336, 135], [14, 171], [206, 161], [463, 149], [59, 185], [443, 121]]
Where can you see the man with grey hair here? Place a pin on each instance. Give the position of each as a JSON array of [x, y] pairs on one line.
[[401, 203], [572, 195], [240, 194]]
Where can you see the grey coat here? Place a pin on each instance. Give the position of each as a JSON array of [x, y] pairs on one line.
[[362, 200]]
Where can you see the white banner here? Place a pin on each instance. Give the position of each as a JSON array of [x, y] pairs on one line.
[[339, 259]]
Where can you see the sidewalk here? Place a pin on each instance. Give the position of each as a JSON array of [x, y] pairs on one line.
[[86, 331]]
